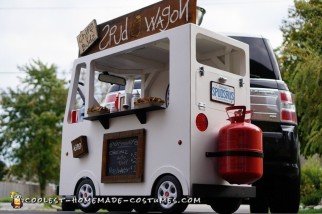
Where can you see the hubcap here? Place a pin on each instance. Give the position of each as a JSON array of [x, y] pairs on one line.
[[167, 193], [85, 195]]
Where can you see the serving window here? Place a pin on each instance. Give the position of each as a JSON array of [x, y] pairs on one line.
[[129, 82]]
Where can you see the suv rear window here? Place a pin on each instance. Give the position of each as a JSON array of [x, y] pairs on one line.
[[115, 88], [260, 61]]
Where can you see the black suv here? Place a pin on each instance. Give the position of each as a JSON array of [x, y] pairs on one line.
[[274, 113]]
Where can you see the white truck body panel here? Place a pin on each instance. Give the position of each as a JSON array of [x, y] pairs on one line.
[[189, 47]]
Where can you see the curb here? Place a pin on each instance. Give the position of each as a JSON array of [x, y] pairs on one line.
[[28, 206]]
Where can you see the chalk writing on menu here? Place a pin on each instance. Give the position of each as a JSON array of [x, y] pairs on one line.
[[122, 156], [155, 18]]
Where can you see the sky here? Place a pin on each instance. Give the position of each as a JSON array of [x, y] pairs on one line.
[[47, 29]]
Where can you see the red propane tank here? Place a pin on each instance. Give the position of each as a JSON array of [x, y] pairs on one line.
[[240, 148]]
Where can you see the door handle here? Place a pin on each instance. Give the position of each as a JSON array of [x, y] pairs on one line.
[[222, 79]]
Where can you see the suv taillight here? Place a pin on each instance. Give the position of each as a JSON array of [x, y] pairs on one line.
[[288, 112], [110, 98]]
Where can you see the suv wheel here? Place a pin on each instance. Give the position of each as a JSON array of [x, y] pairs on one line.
[[260, 203], [278, 194], [286, 196]]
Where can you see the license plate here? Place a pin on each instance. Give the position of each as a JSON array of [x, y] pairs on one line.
[[222, 93]]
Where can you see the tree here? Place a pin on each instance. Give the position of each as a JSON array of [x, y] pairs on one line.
[[301, 63], [3, 170], [31, 124]]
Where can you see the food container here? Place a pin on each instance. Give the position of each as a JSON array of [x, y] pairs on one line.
[[135, 98]]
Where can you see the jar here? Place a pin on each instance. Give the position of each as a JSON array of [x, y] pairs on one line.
[[135, 97]]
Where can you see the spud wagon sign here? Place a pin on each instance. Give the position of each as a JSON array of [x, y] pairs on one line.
[[158, 17]]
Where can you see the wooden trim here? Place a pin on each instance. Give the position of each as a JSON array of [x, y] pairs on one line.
[[79, 147], [150, 20]]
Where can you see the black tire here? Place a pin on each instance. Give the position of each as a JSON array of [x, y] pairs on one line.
[[127, 207], [144, 206], [67, 206], [85, 194], [286, 196], [226, 205], [260, 203], [168, 190]]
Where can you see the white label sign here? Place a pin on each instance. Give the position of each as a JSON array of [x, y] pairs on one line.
[[87, 36], [222, 93]]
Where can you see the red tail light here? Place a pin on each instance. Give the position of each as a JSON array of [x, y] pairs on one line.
[[110, 98], [289, 116], [202, 122], [286, 96], [288, 112]]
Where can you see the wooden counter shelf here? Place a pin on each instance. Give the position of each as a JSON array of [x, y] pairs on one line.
[[104, 118]]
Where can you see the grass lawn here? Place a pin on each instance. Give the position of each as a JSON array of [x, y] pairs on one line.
[[311, 211]]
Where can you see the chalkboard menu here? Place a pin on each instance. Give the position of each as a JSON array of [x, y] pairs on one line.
[[123, 156]]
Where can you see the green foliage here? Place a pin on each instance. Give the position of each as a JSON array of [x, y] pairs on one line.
[[307, 186], [311, 182], [313, 199], [300, 58], [6, 200], [30, 124]]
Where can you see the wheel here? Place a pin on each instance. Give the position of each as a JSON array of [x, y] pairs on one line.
[[168, 191], [67, 206], [119, 207], [144, 207], [85, 194], [286, 196], [226, 205], [260, 203]]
